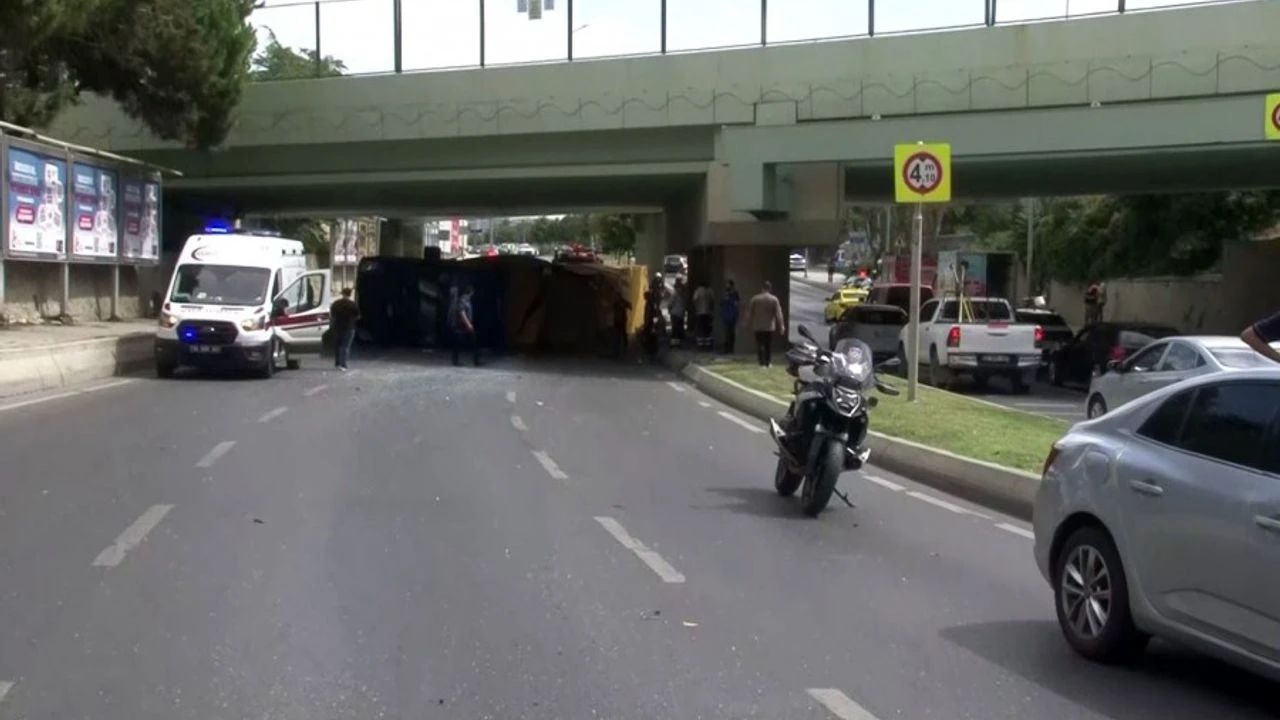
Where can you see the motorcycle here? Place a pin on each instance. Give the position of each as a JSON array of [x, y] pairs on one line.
[[823, 432]]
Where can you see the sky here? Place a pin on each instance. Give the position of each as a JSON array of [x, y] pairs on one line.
[[442, 34]]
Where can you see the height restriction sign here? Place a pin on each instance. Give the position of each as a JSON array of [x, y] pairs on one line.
[[1273, 117], [922, 173]]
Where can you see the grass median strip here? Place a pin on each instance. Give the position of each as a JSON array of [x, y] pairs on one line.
[[939, 419]]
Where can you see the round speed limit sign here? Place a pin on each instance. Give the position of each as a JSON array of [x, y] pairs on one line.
[[922, 173]]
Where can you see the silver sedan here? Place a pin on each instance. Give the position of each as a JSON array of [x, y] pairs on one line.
[[1165, 362], [1163, 518]]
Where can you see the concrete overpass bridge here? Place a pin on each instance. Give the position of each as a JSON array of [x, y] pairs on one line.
[[751, 150]]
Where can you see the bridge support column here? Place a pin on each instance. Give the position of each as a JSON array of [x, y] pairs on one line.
[[651, 242], [401, 238]]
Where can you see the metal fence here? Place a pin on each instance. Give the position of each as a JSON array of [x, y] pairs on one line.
[[396, 36]]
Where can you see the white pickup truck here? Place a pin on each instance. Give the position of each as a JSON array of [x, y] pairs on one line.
[[989, 342]]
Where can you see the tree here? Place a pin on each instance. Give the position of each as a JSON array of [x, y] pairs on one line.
[[177, 66], [274, 61], [617, 235]]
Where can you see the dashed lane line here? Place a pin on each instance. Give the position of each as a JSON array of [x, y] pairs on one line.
[[213, 455], [840, 705], [511, 396], [132, 536], [884, 483], [655, 561], [64, 395], [518, 424], [5, 687], [938, 502], [273, 414], [739, 421], [677, 386], [550, 465], [1021, 531], [315, 390]]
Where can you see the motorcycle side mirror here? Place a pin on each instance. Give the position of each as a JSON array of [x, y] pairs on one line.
[[889, 364], [804, 333], [887, 389]]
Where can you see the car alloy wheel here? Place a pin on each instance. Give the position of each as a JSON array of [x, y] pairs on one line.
[[1085, 592]]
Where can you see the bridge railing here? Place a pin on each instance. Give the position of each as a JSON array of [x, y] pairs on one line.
[[362, 37]]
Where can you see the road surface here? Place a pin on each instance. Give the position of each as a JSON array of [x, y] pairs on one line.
[[525, 540], [808, 300]]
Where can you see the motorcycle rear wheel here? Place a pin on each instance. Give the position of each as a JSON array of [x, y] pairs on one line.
[[819, 488], [785, 481]]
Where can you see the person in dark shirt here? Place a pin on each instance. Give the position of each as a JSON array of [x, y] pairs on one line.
[[1261, 334], [462, 322], [343, 314], [621, 313]]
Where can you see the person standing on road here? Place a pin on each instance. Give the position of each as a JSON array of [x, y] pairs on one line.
[[729, 310], [462, 323], [621, 312], [343, 314], [764, 316], [1261, 334], [677, 309], [703, 305], [831, 270]]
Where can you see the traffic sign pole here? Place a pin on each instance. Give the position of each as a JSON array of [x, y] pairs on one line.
[[917, 253], [922, 174]]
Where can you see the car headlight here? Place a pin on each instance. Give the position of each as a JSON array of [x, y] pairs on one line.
[[168, 320], [258, 322]]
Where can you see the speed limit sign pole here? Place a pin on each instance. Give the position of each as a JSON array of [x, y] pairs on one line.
[[922, 174]]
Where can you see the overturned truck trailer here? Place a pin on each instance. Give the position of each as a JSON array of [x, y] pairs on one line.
[[521, 304]]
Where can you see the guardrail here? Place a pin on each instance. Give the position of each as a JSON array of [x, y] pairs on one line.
[[396, 36]]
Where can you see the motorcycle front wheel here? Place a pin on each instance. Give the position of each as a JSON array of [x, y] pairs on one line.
[[819, 488], [785, 481]]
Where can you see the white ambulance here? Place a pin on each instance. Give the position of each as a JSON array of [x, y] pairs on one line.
[[241, 300]]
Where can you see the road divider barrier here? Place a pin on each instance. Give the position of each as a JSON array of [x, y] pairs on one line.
[[1000, 488], [51, 367]]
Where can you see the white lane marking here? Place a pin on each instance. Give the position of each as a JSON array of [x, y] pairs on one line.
[[66, 394], [518, 424], [939, 503], [1060, 405], [704, 403], [735, 419], [839, 704], [315, 390], [132, 536], [655, 561], [218, 451], [676, 386], [5, 687], [272, 415], [1017, 530], [885, 483], [511, 396], [550, 465]]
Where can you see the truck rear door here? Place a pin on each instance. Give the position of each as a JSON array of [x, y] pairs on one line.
[[988, 329]]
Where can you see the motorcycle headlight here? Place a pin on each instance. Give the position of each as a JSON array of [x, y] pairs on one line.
[[847, 400]]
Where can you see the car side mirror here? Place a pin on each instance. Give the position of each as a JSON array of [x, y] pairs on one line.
[[279, 307], [1115, 366]]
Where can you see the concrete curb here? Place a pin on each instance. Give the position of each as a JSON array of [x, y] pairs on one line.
[[50, 367], [1004, 489]]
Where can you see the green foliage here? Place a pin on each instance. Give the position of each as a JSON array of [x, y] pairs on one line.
[[274, 61], [1080, 239], [177, 66]]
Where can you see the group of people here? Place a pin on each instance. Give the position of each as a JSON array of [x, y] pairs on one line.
[[763, 316], [344, 313]]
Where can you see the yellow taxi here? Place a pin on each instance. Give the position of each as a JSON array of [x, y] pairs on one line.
[[842, 300]]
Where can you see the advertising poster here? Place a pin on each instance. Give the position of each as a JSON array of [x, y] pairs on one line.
[[151, 222], [36, 204], [94, 205], [131, 213]]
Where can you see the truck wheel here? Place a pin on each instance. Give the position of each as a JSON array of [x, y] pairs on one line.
[[939, 376], [980, 382], [1018, 384]]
